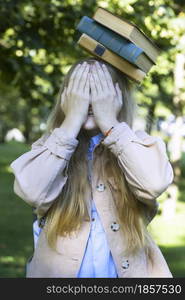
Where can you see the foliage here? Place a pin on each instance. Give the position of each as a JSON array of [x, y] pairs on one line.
[[38, 45]]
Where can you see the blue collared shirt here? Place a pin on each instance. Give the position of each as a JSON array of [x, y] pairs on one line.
[[97, 261]]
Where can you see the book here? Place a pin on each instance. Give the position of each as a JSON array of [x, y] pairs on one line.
[[128, 30], [97, 49], [115, 42]]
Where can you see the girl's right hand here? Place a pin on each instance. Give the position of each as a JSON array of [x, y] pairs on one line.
[[75, 98]]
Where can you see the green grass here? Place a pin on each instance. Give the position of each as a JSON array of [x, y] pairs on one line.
[[16, 218], [16, 241], [170, 236]]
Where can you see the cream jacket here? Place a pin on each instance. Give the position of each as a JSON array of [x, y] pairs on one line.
[[41, 173]]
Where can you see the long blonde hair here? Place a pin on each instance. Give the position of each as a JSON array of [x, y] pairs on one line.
[[70, 208]]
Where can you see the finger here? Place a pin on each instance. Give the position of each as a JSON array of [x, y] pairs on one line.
[[73, 75], [80, 77], [108, 77], [80, 83], [87, 85], [93, 86], [101, 76], [119, 94], [96, 80]]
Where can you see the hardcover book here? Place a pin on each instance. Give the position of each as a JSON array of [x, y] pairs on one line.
[[115, 43], [97, 49], [128, 30]]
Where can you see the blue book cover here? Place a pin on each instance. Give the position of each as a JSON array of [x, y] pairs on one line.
[[109, 39]]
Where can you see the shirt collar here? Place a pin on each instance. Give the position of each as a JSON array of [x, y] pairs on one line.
[[94, 140]]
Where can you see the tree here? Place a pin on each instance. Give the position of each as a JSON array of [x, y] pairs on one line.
[[37, 42], [38, 45]]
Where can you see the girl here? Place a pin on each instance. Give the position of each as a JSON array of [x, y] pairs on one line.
[[94, 182]]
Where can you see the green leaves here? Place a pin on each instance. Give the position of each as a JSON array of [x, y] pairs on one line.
[[38, 45]]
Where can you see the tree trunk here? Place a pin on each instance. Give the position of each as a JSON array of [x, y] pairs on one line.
[[175, 144], [150, 118], [3, 131], [27, 125]]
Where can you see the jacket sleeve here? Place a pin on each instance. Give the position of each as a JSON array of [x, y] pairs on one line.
[[41, 173], [144, 161]]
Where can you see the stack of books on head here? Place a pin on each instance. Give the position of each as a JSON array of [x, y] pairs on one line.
[[118, 42]]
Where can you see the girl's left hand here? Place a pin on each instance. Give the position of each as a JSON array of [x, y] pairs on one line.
[[106, 99]]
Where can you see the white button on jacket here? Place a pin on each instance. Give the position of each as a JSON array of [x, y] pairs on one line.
[[41, 173], [100, 187], [115, 226]]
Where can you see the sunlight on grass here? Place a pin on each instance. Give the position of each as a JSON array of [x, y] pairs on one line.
[[7, 259], [6, 169], [10, 259], [12, 267], [170, 232]]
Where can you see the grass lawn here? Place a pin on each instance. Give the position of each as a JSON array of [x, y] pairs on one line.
[[170, 236], [16, 243], [16, 217]]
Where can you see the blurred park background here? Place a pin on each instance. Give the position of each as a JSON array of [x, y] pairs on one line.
[[38, 46]]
